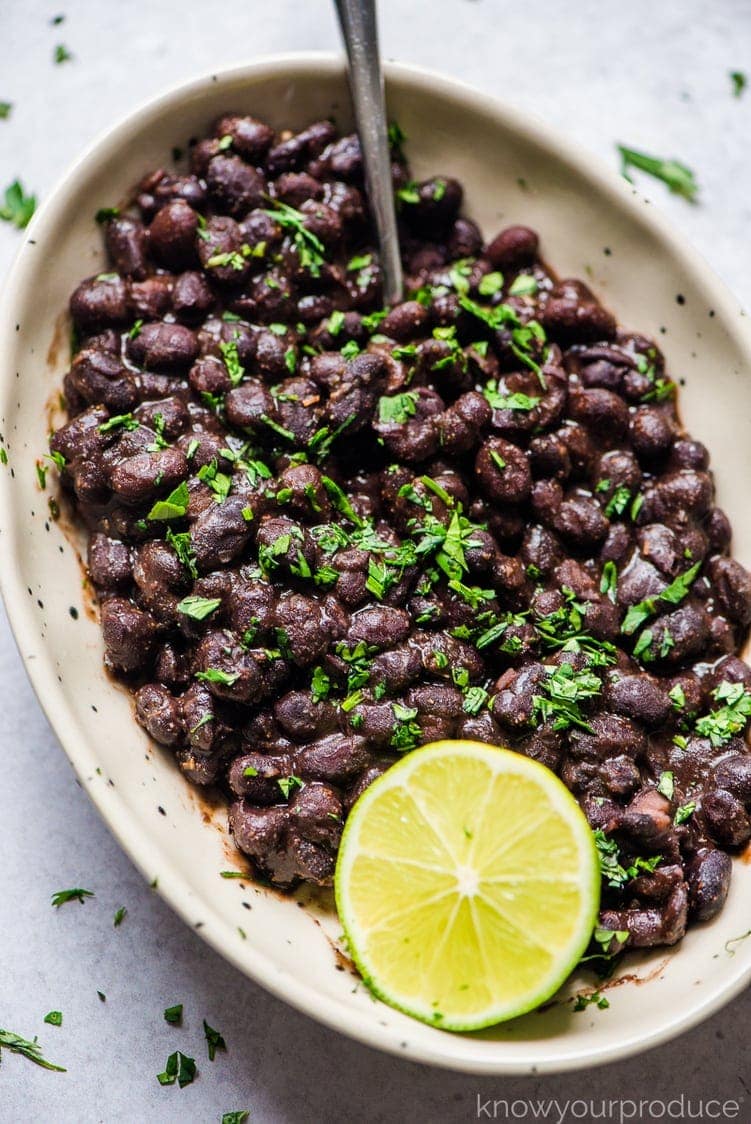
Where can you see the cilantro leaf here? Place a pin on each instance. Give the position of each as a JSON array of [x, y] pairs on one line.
[[214, 1040], [198, 608], [174, 1015], [19, 207], [173, 507], [60, 897], [179, 1068], [676, 176], [28, 1049]]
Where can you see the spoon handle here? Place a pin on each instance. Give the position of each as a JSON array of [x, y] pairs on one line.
[[360, 31]]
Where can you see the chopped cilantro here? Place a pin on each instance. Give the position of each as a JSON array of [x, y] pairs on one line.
[[173, 507], [27, 1049], [562, 690], [685, 812], [730, 718], [677, 177], [231, 358], [516, 401], [62, 896], [609, 580], [214, 1040], [119, 421], [198, 608], [738, 81], [19, 207], [673, 595], [216, 675], [104, 214], [179, 1068], [525, 285], [309, 247], [287, 784], [120, 915], [54, 1018], [174, 1015], [666, 784], [490, 284], [320, 685], [611, 869], [62, 54]]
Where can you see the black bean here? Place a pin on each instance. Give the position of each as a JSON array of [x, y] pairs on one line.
[[725, 818], [125, 238], [708, 876], [172, 236], [235, 186]]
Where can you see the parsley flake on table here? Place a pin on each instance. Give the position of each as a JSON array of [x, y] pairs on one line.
[[214, 1040], [60, 897], [179, 1068], [235, 1117], [54, 1018], [119, 917], [676, 176], [31, 1050], [739, 81], [18, 206], [174, 1015], [5, 109], [62, 54]]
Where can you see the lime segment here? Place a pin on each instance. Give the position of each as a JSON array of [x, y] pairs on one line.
[[467, 883]]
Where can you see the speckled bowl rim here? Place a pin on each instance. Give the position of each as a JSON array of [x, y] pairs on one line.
[[174, 888]]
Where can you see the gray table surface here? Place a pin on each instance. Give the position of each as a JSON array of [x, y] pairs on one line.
[[654, 75]]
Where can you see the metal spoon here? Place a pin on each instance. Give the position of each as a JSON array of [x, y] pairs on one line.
[[360, 32]]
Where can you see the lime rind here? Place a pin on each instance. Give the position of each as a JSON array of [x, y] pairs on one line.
[[584, 876]]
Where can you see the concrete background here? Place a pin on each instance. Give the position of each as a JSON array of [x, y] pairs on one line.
[[654, 76]]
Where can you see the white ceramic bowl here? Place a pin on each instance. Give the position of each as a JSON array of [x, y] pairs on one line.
[[593, 226]]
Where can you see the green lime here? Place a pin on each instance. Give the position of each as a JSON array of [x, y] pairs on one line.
[[468, 884]]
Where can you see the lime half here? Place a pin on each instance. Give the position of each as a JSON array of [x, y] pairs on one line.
[[467, 883]]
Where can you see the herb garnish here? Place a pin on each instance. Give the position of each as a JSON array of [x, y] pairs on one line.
[[739, 82], [173, 507], [729, 719], [19, 207], [310, 248], [612, 871], [675, 175], [214, 1040], [54, 1018], [583, 1001], [31, 1050], [174, 1015], [60, 897], [179, 1068], [673, 595], [562, 690], [198, 608], [120, 915], [62, 54], [216, 675]]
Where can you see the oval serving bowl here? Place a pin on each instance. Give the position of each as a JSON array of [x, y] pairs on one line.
[[593, 226]]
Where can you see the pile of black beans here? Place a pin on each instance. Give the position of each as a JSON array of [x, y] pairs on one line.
[[323, 532]]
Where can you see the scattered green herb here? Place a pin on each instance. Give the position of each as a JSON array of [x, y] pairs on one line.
[[60, 897], [676, 176]]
